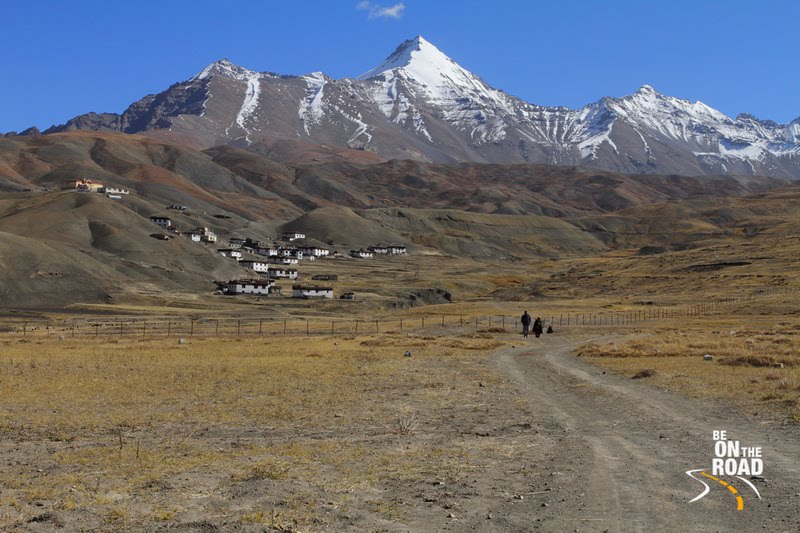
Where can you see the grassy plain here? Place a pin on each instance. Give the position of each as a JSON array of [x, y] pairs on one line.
[[343, 431], [291, 433]]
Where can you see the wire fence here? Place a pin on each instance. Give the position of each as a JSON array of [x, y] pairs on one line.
[[162, 327]]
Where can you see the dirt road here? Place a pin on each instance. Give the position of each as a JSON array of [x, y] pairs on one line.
[[617, 451]]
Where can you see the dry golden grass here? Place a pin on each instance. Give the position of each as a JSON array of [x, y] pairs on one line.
[[132, 433], [757, 368]]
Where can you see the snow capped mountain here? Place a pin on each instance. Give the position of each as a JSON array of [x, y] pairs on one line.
[[419, 103]]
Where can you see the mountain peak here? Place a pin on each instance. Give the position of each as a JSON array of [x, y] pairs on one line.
[[412, 54], [227, 69]]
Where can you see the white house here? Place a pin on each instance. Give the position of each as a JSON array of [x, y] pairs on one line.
[[282, 260], [293, 236], [282, 273], [230, 252], [84, 185], [379, 249], [361, 254], [303, 291], [257, 266], [290, 252], [316, 251], [249, 286], [114, 191], [397, 249], [205, 234], [195, 237], [163, 222], [268, 251]]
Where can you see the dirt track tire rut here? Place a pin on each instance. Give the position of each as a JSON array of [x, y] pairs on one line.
[[620, 449]]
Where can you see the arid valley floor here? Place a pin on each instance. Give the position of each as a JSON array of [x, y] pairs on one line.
[[463, 427]]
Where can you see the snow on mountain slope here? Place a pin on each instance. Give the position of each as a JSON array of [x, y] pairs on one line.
[[428, 73], [311, 105], [419, 103]]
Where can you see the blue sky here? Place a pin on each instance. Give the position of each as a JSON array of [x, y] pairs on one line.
[[61, 59]]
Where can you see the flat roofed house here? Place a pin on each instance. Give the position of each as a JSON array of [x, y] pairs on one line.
[[293, 236], [249, 286], [84, 185], [164, 222], [397, 249], [315, 251], [114, 191], [276, 260], [379, 249], [361, 254], [268, 251], [312, 291], [281, 273], [235, 242], [230, 252], [256, 266]]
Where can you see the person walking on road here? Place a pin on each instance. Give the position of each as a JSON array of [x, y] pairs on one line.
[[538, 327], [526, 324]]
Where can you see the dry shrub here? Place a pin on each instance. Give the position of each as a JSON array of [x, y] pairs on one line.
[[406, 424], [265, 470], [749, 360], [472, 344], [393, 341], [493, 329], [646, 373]]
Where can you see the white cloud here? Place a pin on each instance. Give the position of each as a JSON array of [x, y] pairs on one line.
[[378, 11]]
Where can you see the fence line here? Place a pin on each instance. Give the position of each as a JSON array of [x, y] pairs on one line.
[[241, 327]]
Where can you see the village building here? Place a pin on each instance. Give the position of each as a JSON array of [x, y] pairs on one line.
[[312, 291], [290, 252], [275, 290], [379, 249], [268, 251], [196, 237], [277, 260], [397, 249], [230, 252], [160, 221], [84, 185], [325, 277], [361, 254], [348, 296], [114, 191], [293, 236], [281, 273], [257, 266], [249, 286], [316, 251], [179, 207], [236, 242], [206, 235]]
